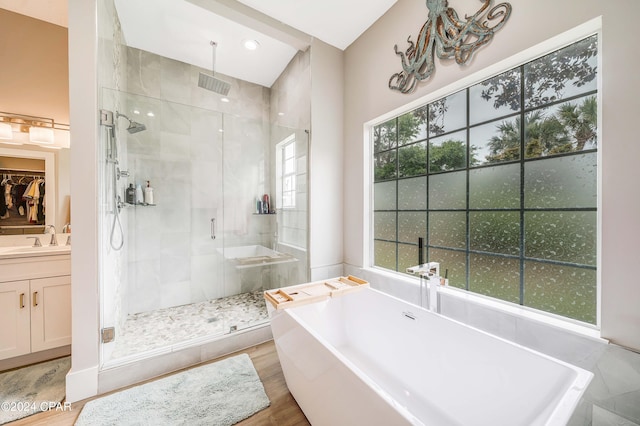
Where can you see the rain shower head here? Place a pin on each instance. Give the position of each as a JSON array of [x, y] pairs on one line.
[[210, 82], [134, 126], [216, 85]]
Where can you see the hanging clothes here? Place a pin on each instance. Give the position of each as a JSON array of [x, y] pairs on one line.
[[41, 205]]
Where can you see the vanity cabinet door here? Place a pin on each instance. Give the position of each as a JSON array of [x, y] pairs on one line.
[[50, 302], [15, 332]]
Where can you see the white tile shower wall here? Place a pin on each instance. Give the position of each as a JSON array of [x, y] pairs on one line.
[[111, 78], [616, 384], [291, 111]]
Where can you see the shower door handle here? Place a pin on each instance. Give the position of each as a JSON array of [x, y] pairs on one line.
[[213, 228]]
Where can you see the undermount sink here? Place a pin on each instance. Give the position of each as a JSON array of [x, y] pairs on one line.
[[34, 250]]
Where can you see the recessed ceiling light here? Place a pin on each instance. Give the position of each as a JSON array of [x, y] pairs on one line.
[[150, 114], [250, 44], [135, 111], [281, 114], [225, 99], [221, 130]]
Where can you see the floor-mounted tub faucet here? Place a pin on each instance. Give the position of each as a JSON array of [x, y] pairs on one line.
[[428, 272]]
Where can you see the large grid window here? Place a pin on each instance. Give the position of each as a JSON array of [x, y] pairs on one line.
[[500, 180]]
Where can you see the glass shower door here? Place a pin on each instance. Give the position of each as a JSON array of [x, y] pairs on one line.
[[265, 240]]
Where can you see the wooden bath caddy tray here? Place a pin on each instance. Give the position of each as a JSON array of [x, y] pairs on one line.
[[313, 292]]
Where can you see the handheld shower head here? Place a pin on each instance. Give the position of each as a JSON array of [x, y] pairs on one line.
[[134, 126]]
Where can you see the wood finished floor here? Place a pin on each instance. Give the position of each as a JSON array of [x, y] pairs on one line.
[[283, 411]]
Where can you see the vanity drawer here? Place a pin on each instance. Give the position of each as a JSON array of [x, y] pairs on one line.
[[34, 267]]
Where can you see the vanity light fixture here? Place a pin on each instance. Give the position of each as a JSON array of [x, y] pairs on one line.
[[250, 44], [41, 130], [42, 135], [5, 131]]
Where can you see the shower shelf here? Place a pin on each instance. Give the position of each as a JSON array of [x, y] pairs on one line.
[[141, 205], [264, 214]]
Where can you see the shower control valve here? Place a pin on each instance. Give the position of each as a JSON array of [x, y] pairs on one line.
[[121, 173]]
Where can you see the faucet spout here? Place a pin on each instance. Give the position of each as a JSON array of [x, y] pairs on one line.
[[54, 240], [430, 272]]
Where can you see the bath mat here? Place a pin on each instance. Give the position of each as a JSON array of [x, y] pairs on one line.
[[29, 390], [222, 393]]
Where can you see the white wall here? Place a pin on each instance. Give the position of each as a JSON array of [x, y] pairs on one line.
[[82, 380], [370, 61], [326, 176]]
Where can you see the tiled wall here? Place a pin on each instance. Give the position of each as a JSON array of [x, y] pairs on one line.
[[111, 78]]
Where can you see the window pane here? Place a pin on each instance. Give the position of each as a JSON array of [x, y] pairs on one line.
[[290, 166], [495, 97], [495, 142], [384, 254], [289, 183], [384, 136], [448, 191], [411, 226], [563, 236], [384, 166], [566, 127], [448, 152], [384, 225], [412, 194], [448, 229], [495, 187], [564, 73], [453, 264], [496, 232], [448, 114], [407, 256], [495, 276], [384, 196], [412, 126], [412, 160], [290, 150], [562, 290], [566, 182]]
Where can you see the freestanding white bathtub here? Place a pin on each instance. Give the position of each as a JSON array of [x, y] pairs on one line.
[[367, 358]]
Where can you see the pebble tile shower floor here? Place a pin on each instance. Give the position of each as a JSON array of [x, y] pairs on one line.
[[164, 327]]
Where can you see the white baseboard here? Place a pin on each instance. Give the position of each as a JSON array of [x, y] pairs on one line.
[[82, 384]]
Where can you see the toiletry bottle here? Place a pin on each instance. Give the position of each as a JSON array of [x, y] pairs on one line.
[[265, 205], [131, 194], [139, 197], [148, 194]]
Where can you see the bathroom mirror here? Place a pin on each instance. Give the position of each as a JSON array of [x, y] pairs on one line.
[[21, 170]]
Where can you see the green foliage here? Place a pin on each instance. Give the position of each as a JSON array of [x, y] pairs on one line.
[[450, 155], [545, 78], [412, 160], [568, 130]]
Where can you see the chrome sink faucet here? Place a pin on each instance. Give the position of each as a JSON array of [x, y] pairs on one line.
[[54, 240], [36, 241]]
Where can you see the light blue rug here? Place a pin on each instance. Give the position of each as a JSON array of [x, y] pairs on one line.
[[29, 390], [218, 394]]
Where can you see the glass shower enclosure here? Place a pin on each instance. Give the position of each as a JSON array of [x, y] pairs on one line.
[[228, 220]]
